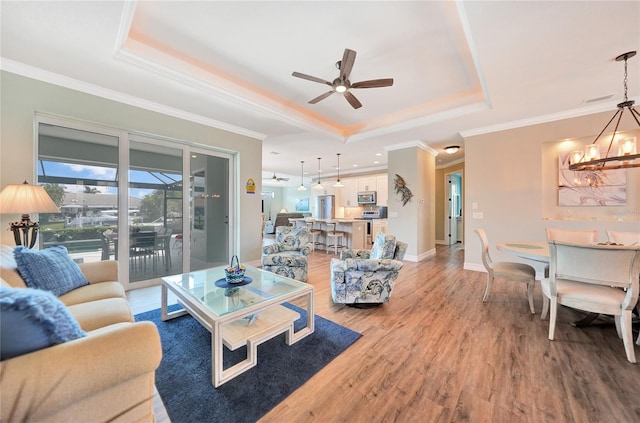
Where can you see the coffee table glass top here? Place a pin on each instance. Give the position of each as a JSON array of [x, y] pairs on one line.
[[200, 286]]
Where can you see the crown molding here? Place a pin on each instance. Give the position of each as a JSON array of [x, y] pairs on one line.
[[409, 144], [537, 120], [28, 71]]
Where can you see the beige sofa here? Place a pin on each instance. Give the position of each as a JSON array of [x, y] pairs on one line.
[[108, 375]]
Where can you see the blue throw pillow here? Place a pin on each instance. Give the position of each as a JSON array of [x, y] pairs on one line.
[[32, 319], [50, 269]]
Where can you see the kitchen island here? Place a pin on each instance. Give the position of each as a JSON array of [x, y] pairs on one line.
[[355, 230]]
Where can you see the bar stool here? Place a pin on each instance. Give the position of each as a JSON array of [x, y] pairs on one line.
[[336, 236], [315, 235]]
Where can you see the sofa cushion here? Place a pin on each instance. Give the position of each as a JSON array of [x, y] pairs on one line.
[[50, 269], [33, 319], [384, 247], [93, 292], [98, 314]]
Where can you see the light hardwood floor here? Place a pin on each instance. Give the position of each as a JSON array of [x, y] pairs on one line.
[[436, 352]]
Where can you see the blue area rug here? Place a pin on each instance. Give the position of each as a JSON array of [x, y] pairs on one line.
[[184, 376]]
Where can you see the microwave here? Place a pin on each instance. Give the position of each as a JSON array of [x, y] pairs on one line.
[[367, 197]]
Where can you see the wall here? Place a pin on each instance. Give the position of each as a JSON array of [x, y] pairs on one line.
[[510, 176], [23, 97], [414, 222], [441, 198]]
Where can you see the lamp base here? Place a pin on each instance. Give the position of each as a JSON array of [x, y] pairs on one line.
[[29, 231]]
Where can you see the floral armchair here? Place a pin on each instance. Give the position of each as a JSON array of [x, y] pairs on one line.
[[367, 276], [288, 256]]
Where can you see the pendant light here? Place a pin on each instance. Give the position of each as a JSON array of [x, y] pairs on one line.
[[338, 184], [301, 187], [319, 185]]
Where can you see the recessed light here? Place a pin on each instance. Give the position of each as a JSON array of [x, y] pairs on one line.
[[376, 162], [355, 165], [378, 154]]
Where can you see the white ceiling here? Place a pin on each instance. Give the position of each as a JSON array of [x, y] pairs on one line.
[[459, 67]]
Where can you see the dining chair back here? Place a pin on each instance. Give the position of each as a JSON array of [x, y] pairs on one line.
[[507, 270], [595, 278], [624, 238], [576, 237]]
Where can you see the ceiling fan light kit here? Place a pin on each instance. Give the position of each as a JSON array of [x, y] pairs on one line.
[[626, 155], [342, 84]]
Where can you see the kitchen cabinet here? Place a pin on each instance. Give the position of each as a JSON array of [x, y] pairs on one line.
[[367, 183], [378, 225], [349, 193], [382, 184]]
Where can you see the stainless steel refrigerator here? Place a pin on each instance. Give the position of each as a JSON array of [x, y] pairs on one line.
[[326, 206]]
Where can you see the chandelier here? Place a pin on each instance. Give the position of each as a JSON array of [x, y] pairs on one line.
[[626, 155]]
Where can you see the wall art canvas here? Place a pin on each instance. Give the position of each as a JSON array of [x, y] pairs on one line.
[[302, 204], [590, 188]]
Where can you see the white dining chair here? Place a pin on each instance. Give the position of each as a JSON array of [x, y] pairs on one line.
[[507, 270], [624, 238], [595, 278]]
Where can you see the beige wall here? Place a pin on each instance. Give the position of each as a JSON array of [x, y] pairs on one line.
[[414, 222], [512, 177], [441, 197], [23, 97]]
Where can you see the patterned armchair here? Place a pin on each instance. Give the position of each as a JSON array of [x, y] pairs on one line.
[[288, 256], [367, 276]]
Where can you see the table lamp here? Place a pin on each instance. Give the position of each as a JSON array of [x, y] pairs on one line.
[[25, 199]]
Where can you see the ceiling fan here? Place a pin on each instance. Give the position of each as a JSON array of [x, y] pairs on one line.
[[276, 179], [342, 84]]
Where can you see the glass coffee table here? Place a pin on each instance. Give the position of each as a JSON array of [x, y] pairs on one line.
[[248, 313]]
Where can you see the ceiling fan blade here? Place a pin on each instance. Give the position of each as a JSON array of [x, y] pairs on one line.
[[348, 59], [374, 83], [355, 103], [320, 97], [310, 78]]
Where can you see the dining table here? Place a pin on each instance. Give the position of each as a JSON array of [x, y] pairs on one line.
[[539, 251], [530, 250]]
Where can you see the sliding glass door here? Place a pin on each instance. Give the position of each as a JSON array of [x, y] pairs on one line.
[[122, 196], [210, 204], [155, 185]]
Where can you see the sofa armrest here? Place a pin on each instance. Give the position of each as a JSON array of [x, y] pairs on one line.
[[306, 249], [37, 384], [355, 253], [100, 271]]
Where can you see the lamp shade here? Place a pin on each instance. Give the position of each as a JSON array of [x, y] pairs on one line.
[[26, 199]]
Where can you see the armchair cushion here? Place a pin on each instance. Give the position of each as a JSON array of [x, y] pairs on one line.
[[384, 247], [292, 239], [51, 269], [33, 319]]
